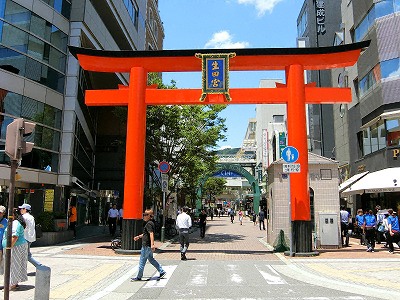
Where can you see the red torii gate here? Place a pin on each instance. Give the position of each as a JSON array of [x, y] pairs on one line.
[[294, 93]]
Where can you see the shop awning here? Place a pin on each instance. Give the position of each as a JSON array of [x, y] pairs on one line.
[[383, 181], [383, 116], [345, 184]]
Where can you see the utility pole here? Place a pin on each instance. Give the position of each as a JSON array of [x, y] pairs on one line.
[[15, 148]]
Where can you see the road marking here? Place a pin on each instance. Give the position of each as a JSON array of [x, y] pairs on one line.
[[198, 275], [233, 275], [273, 278], [114, 285], [154, 283]]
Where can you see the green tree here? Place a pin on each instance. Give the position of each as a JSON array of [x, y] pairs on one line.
[[213, 187]]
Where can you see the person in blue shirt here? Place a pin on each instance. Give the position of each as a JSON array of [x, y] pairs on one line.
[[369, 227], [3, 226], [360, 225], [394, 230], [344, 225]]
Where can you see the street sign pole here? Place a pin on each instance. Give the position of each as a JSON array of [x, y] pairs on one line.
[[290, 220], [290, 155], [163, 219], [164, 188]]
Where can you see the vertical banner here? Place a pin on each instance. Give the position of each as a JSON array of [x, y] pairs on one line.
[[282, 142], [265, 153], [215, 74]]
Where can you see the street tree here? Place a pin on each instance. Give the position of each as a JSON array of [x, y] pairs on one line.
[[213, 186]]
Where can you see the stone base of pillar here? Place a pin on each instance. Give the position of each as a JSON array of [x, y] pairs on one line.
[[131, 228], [302, 239]]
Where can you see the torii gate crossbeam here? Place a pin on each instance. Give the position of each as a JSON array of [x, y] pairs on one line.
[[294, 93]]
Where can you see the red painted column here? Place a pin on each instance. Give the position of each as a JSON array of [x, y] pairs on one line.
[[297, 137], [135, 145]]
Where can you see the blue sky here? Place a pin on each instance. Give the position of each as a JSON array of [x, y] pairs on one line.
[[201, 24]]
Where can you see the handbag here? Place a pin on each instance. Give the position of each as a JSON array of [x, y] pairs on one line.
[[381, 228]]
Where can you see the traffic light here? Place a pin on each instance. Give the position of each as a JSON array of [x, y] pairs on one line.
[[15, 144]]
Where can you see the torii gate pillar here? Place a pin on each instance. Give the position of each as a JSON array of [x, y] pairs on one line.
[[134, 160], [297, 137]]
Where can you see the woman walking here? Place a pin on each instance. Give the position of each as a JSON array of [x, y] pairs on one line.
[[19, 251]]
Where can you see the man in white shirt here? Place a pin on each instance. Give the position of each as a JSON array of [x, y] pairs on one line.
[[184, 222], [30, 231], [112, 219]]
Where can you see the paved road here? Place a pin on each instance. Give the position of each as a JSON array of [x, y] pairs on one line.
[[231, 262]]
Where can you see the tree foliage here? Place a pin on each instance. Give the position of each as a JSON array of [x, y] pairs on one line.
[[214, 186]]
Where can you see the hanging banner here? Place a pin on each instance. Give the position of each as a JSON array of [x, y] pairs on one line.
[[215, 74]]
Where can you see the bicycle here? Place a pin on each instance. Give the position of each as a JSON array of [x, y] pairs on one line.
[[116, 243]]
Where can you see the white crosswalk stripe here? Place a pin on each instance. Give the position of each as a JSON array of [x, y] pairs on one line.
[[270, 275], [154, 283], [233, 275], [198, 275]]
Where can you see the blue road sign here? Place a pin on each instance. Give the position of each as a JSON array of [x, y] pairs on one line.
[[290, 154], [164, 167]]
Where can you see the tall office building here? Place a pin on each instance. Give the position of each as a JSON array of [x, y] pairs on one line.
[[368, 129], [316, 27], [79, 150]]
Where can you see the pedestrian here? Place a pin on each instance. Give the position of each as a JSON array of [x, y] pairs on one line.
[[369, 225], [121, 215], [202, 223], [112, 218], [3, 226], [148, 246], [359, 225], [30, 231], [19, 251], [184, 222], [240, 214], [254, 218], [232, 215], [344, 225], [379, 219], [261, 218], [393, 234], [73, 217]]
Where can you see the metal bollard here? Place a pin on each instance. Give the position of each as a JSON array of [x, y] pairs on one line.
[[42, 283]]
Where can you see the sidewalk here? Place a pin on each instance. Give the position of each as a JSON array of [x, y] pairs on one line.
[[89, 269]]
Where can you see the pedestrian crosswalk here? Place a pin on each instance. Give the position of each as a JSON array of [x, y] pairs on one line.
[[229, 274]]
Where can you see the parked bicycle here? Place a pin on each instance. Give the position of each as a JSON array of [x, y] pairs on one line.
[[116, 243], [170, 228]]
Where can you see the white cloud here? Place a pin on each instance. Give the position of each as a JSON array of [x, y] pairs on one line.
[[261, 5], [223, 40]]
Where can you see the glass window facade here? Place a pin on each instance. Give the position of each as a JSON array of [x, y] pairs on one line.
[[368, 81], [375, 137], [393, 132], [390, 68], [133, 11], [32, 45], [47, 131], [379, 9], [83, 154], [61, 6], [302, 25]]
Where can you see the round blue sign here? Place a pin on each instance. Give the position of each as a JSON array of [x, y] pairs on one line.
[[164, 167], [290, 154]]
